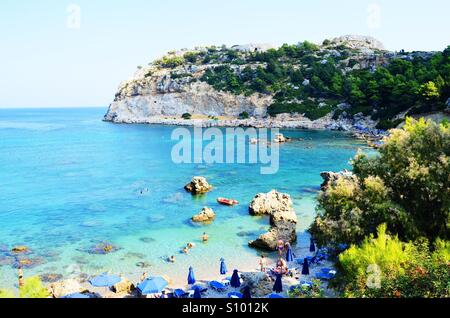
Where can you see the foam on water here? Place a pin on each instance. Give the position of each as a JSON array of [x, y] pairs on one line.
[[65, 190]]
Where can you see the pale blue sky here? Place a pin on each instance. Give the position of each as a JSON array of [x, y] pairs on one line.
[[43, 63]]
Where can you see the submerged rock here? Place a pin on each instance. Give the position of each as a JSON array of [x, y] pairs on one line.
[[205, 215], [283, 219], [20, 249], [147, 239], [198, 185], [103, 248], [50, 278]]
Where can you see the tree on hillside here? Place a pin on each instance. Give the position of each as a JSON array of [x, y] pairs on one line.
[[407, 187]]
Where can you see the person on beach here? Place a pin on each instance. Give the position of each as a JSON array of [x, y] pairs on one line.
[[20, 275], [205, 237], [144, 276], [280, 248], [262, 263], [281, 267]]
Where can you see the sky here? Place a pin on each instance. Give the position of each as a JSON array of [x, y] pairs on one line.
[[58, 53]]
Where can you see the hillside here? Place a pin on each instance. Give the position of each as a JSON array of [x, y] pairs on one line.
[[350, 79]]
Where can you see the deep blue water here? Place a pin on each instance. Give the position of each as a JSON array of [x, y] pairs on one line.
[[69, 181]]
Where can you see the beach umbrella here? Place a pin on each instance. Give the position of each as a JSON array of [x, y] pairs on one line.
[[305, 268], [312, 247], [278, 286], [105, 280], [223, 267], [197, 292], [191, 276], [289, 255], [235, 281], [152, 285], [247, 294], [76, 295]]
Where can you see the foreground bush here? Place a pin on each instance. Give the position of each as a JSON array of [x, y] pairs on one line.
[[407, 187], [386, 267]]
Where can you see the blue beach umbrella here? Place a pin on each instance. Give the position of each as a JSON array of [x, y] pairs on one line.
[[312, 247], [152, 285], [191, 276], [223, 267], [247, 294], [305, 268], [105, 280], [235, 281], [289, 255], [76, 295], [278, 286], [197, 292]]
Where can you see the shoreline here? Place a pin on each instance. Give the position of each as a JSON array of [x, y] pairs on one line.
[[366, 132]]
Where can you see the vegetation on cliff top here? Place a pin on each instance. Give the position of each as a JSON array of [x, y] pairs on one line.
[[312, 79]]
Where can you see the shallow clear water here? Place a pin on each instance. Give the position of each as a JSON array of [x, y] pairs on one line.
[[69, 181]]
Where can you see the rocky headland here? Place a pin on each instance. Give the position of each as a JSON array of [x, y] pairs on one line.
[[218, 86]]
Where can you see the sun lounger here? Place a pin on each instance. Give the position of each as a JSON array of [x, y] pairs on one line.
[[235, 295], [179, 293], [324, 276], [217, 285]]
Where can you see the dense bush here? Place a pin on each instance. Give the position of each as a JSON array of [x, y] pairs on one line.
[[244, 115], [171, 61], [407, 187], [314, 291], [386, 267], [33, 288], [186, 116], [309, 109]]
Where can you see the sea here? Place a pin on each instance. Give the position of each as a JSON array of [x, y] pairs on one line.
[[70, 182]]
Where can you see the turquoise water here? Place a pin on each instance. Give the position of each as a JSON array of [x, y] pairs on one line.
[[69, 181]]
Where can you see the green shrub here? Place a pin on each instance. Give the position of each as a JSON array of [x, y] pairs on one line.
[[33, 288], [171, 61], [6, 294], [186, 116], [244, 115], [314, 291], [310, 109], [386, 267], [407, 187]]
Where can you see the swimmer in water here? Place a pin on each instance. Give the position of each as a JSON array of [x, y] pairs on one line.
[[185, 250], [205, 237], [171, 259], [190, 245]]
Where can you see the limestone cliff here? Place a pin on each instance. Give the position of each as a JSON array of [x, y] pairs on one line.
[[299, 86]]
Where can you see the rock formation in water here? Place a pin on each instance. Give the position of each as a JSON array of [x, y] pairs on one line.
[[205, 215], [198, 185], [283, 220]]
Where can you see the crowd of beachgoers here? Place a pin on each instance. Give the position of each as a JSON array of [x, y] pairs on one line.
[[293, 268]]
